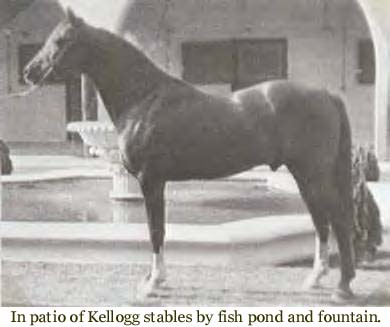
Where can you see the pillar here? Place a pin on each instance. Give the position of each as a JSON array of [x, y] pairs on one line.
[[382, 100], [377, 15], [89, 105], [89, 99]]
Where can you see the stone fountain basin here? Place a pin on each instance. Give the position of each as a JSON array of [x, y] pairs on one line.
[[100, 136]]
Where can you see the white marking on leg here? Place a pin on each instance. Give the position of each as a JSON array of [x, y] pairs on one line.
[[157, 272], [321, 260], [320, 265], [156, 276]]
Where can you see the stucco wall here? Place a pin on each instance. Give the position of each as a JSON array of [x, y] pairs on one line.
[[39, 117]]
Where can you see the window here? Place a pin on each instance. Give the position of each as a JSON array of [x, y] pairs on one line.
[[208, 62], [366, 62], [240, 63], [259, 61], [26, 52]]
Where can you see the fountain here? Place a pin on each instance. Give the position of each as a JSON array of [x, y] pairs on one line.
[[101, 138]]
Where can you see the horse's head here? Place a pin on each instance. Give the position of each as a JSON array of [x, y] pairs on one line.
[[63, 51]]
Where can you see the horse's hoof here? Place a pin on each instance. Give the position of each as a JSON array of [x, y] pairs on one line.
[[311, 283], [313, 280], [343, 295], [146, 288], [145, 291], [149, 286]]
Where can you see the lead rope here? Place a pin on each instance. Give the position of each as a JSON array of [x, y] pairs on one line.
[[23, 94], [32, 88]]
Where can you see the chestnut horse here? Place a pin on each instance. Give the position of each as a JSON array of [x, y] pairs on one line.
[[170, 131]]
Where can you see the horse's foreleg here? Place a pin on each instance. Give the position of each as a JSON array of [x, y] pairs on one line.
[[153, 192]]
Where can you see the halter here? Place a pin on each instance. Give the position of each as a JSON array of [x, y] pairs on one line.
[[36, 86]]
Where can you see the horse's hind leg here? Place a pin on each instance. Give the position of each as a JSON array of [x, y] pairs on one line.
[[320, 219], [321, 257], [325, 202], [342, 229], [153, 192]]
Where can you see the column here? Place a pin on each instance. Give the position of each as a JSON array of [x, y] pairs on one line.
[[89, 105], [376, 13], [89, 99]]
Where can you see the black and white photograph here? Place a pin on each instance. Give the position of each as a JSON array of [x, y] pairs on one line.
[[195, 153]]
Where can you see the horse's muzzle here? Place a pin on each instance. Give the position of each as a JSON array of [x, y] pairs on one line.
[[32, 74]]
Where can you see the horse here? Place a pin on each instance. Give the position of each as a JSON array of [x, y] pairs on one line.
[[168, 130]]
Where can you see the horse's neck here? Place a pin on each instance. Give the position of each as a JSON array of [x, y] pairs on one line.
[[123, 76]]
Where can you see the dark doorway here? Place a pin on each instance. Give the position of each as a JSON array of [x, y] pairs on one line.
[[259, 61]]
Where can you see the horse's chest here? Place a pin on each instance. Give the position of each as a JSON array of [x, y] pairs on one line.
[[131, 143]]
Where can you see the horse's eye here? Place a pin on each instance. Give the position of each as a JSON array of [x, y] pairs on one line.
[[62, 42]]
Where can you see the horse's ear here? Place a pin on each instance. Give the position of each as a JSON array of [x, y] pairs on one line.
[[73, 19]]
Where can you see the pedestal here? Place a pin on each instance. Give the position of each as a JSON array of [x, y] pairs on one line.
[[124, 186], [125, 191]]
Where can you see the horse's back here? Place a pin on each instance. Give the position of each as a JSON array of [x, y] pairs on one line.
[[306, 119]]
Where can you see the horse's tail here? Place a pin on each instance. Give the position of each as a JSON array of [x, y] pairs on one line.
[[343, 167]]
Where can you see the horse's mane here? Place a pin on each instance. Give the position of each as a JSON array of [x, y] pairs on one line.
[[114, 44], [126, 60]]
